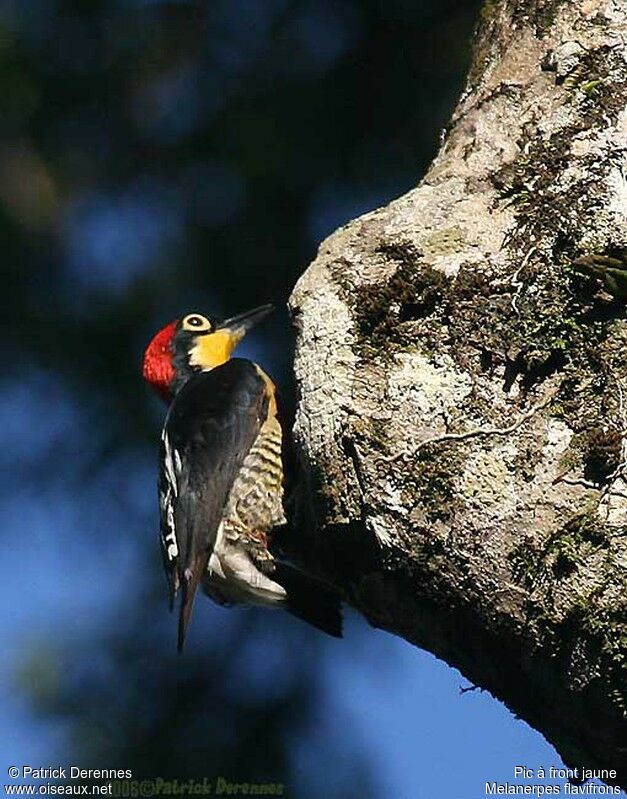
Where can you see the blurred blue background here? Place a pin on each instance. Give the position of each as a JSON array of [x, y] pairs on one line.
[[157, 158]]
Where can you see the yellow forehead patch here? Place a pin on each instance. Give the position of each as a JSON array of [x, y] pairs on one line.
[[212, 349]]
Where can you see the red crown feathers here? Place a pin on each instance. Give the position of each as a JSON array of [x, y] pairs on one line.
[[158, 369]]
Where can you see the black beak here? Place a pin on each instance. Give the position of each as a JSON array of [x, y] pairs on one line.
[[239, 325]]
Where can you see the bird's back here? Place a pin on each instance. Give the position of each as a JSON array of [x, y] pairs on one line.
[[209, 431]]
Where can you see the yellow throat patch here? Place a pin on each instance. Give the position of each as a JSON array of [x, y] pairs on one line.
[[212, 349]]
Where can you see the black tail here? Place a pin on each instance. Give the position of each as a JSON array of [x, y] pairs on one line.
[[190, 582], [309, 599]]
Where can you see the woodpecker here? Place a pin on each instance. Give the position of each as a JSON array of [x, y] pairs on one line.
[[221, 474]]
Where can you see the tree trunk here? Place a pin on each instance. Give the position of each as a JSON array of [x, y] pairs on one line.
[[462, 376]]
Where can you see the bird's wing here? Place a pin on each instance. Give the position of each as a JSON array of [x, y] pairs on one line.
[[210, 427]]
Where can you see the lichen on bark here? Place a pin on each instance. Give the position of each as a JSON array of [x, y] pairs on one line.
[[462, 418]]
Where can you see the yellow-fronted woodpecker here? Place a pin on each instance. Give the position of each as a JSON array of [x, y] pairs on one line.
[[221, 474]]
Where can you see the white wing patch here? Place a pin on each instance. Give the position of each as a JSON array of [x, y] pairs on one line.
[[172, 465]]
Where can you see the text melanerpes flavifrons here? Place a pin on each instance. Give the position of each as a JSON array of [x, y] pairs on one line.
[[221, 474]]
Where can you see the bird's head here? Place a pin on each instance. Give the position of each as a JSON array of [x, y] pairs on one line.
[[193, 344]]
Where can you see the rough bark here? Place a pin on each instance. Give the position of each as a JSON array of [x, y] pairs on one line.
[[462, 409]]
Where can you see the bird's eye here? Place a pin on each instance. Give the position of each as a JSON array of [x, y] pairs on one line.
[[196, 322]]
